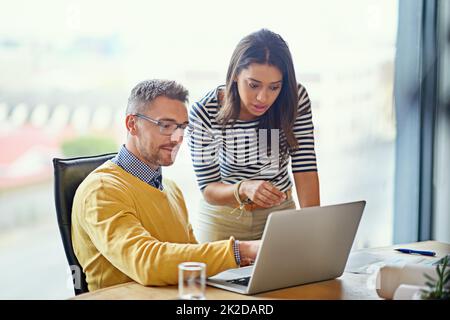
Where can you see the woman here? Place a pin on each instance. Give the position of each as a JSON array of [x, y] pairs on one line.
[[242, 137]]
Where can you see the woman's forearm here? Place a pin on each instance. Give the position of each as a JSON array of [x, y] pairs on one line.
[[308, 189], [260, 192], [221, 194]]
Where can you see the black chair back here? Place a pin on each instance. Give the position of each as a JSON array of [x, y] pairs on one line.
[[69, 173]]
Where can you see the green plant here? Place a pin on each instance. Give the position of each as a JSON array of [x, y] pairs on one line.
[[437, 289]]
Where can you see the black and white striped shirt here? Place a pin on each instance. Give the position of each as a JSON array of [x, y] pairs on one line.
[[237, 154]]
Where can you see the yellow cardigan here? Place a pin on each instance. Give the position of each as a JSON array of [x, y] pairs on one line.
[[124, 229]]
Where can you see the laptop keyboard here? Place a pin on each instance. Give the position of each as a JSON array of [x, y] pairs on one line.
[[240, 281]]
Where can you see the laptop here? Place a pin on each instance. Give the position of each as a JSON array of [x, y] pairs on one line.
[[297, 247]]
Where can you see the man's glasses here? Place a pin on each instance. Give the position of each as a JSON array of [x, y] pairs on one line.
[[166, 127]]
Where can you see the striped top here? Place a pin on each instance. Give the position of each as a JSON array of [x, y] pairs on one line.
[[239, 152]]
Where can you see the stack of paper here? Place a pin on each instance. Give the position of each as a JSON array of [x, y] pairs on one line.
[[391, 280]]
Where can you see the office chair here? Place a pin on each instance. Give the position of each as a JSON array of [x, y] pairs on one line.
[[69, 173]]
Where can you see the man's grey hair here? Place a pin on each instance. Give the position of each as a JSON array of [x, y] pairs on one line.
[[147, 91]]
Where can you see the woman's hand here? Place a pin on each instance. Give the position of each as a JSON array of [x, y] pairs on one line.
[[262, 193]]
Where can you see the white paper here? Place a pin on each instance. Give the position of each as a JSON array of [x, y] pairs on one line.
[[359, 262], [390, 277], [368, 263], [408, 292]]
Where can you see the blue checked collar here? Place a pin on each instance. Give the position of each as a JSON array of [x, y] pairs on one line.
[[131, 164]]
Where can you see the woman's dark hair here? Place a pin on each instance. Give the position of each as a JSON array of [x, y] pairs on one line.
[[264, 47]]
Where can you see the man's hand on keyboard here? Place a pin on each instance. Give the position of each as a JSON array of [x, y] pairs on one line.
[[248, 251]]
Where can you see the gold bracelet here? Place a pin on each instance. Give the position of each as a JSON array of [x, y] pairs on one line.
[[238, 198]]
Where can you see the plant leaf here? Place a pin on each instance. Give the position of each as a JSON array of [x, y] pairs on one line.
[[438, 269], [428, 277], [447, 278]]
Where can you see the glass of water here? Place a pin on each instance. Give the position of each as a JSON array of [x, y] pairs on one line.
[[191, 280]]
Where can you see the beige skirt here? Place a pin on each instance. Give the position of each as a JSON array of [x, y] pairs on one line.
[[220, 222]]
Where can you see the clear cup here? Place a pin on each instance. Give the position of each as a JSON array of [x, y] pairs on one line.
[[191, 280]]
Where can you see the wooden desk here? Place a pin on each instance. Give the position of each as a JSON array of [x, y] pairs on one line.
[[349, 286]]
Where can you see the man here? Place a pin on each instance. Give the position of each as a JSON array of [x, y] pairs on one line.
[[129, 223]]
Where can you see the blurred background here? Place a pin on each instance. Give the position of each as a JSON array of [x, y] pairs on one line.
[[67, 67]]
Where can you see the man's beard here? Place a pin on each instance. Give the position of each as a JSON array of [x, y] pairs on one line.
[[157, 159], [153, 160]]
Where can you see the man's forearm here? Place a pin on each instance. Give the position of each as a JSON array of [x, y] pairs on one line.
[[248, 251]]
